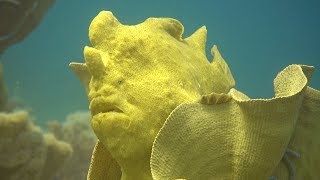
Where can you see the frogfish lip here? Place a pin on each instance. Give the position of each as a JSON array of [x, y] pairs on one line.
[[101, 105]]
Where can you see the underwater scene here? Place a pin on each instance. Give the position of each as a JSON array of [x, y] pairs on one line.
[[146, 90]]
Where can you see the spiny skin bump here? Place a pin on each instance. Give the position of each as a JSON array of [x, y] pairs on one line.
[[139, 74]]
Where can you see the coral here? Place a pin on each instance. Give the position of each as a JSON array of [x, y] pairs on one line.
[[26, 152], [76, 131]]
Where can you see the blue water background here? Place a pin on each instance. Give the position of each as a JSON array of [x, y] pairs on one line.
[[256, 38]]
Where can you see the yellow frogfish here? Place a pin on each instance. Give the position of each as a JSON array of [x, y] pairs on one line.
[[161, 110]]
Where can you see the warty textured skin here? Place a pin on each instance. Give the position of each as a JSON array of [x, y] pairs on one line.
[[152, 93], [138, 75]]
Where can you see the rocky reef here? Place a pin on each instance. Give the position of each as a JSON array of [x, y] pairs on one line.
[[76, 131], [62, 150], [26, 152]]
